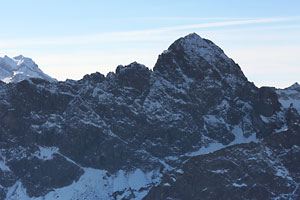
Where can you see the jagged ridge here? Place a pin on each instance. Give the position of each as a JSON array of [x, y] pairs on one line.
[[130, 124]]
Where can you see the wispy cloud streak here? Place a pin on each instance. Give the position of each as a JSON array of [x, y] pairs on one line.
[[137, 35]]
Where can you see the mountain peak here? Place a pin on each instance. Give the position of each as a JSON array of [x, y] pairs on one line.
[[8, 61], [132, 66], [192, 38], [27, 61], [19, 68], [295, 86], [17, 61], [200, 59], [195, 46], [19, 57], [194, 49]]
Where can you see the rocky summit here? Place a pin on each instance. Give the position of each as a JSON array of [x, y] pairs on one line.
[[193, 127]]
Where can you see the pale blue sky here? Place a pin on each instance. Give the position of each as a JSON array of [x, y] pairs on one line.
[[69, 39]]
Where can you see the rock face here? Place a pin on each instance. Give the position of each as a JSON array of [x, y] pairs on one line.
[[265, 170], [118, 136], [20, 68]]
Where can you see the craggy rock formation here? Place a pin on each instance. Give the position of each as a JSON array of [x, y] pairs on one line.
[[138, 130]]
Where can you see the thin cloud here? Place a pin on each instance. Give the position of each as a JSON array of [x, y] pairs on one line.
[[138, 35], [179, 18], [228, 23]]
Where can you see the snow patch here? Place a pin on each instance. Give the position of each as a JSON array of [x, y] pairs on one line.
[[283, 128], [283, 172], [240, 138], [265, 119], [220, 171], [214, 146], [3, 165], [97, 184], [239, 185], [180, 171], [17, 192], [45, 153]]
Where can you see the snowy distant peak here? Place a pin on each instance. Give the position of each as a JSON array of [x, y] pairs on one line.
[[19, 68], [23, 60], [20, 57], [8, 61], [17, 61], [295, 86]]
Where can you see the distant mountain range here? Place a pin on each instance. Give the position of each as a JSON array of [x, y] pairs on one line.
[[193, 127], [20, 68]]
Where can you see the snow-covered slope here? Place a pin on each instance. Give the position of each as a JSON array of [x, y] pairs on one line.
[[20, 68]]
